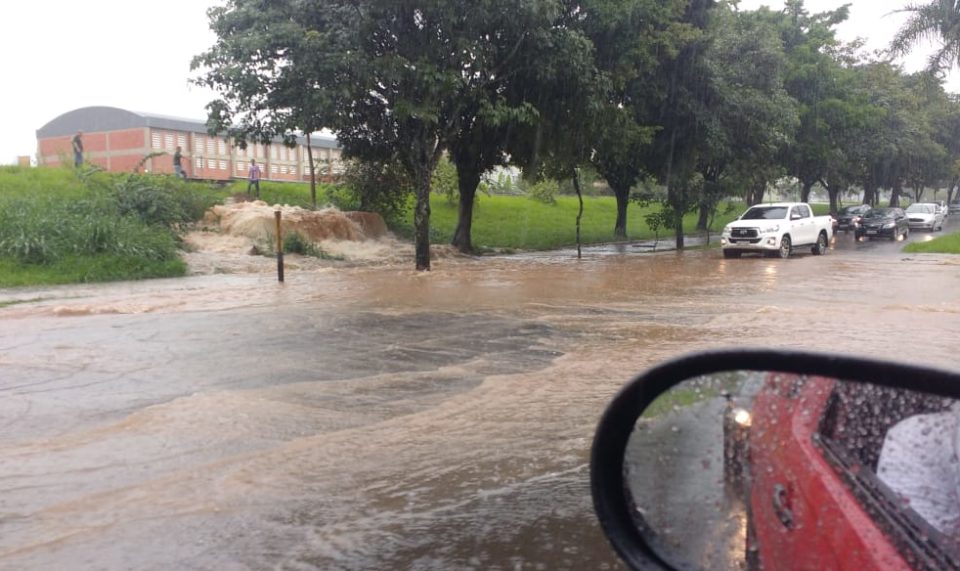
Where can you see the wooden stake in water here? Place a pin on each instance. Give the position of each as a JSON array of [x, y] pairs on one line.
[[277, 215]]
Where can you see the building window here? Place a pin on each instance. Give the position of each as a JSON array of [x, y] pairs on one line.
[[241, 166], [182, 141], [169, 141], [273, 169], [211, 164], [223, 165], [199, 163], [155, 141], [211, 147], [273, 152], [222, 147]]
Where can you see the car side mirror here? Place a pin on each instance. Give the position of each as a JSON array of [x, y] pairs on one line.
[[710, 461]]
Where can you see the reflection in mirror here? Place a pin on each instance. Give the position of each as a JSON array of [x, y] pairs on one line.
[[749, 470]]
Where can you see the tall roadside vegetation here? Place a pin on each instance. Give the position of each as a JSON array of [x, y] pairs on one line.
[[65, 226]]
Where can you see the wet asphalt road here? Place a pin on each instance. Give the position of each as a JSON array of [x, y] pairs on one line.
[[375, 418]]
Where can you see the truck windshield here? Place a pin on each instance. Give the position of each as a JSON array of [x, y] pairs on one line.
[[765, 213]]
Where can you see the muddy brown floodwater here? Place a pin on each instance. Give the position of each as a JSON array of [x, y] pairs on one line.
[[375, 418]]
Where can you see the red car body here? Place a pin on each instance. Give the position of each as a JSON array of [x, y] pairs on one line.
[[802, 513]]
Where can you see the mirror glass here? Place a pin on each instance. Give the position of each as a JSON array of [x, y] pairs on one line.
[[748, 470]]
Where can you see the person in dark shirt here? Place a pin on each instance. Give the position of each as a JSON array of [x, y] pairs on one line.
[[78, 149], [178, 164]]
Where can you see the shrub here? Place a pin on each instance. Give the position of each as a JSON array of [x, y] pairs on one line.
[[379, 186], [160, 200], [445, 181], [544, 191]]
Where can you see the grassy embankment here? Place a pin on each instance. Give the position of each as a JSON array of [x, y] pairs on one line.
[[949, 244], [63, 226], [60, 226]]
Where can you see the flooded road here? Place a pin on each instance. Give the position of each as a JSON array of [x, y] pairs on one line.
[[375, 418]]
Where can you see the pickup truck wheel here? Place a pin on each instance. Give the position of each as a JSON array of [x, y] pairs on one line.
[[731, 254], [785, 247], [820, 248]]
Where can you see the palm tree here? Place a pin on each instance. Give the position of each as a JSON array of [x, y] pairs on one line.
[[938, 20]]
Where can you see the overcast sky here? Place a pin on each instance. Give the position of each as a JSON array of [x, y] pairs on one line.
[[59, 55]]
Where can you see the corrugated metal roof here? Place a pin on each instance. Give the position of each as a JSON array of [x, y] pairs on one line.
[[97, 119]]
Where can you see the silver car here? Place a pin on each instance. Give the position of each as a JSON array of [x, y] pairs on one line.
[[925, 216]]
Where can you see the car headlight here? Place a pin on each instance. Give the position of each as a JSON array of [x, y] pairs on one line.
[[889, 225], [742, 417]]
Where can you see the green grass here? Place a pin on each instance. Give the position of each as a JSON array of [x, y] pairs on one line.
[[83, 269], [949, 244], [521, 223], [62, 226], [292, 193]]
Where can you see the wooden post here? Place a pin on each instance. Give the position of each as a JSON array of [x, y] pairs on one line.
[[277, 215]]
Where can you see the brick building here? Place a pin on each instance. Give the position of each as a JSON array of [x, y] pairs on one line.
[[118, 140]]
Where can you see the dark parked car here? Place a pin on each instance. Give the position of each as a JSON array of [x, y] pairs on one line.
[[849, 217], [883, 222]]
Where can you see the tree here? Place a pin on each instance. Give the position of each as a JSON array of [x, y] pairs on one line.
[[935, 20], [276, 67], [631, 39], [673, 157], [809, 42], [748, 115]]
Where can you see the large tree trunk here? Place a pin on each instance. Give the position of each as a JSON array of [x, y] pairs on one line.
[[834, 193], [467, 181], [755, 195], [704, 220], [895, 193], [805, 191], [869, 192], [421, 219], [678, 227], [623, 199]]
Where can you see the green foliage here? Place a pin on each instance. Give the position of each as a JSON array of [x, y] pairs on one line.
[[504, 184], [44, 231], [160, 200], [297, 243], [444, 181], [544, 191], [379, 186], [66, 225]]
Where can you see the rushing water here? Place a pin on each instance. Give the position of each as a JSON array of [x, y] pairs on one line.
[[375, 418]]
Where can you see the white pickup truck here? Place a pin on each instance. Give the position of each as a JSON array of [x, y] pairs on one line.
[[776, 229]]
